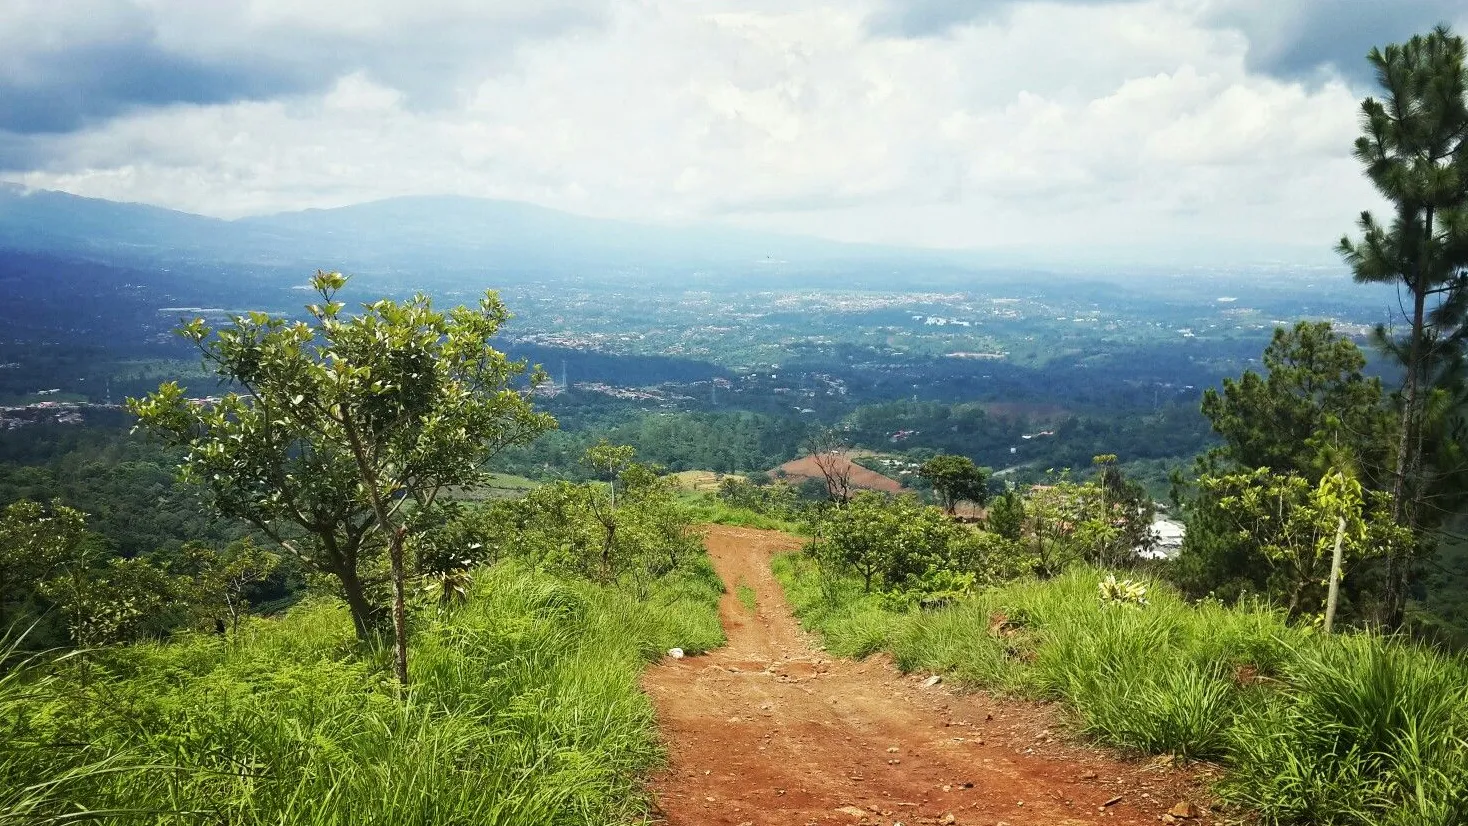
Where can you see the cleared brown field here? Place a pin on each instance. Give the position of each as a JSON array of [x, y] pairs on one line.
[[864, 478]]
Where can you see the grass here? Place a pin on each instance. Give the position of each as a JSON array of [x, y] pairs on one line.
[[524, 709], [1353, 729], [746, 597], [706, 508]]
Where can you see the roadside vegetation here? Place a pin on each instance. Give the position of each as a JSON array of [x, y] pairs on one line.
[[524, 708], [1354, 729], [453, 660]]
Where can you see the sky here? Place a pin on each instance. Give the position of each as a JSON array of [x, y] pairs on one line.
[[1005, 124]]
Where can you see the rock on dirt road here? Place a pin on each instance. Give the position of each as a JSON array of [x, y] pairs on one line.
[[769, 730]]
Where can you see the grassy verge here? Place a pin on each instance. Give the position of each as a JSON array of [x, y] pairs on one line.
[[524, 709], [708, 508], [1349, 729]]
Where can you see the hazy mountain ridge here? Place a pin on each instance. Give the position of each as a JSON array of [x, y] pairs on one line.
[[412, 233]]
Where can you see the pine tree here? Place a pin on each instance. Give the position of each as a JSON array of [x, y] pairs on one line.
[[1414, 148]]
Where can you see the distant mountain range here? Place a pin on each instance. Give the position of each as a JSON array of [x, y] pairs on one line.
[[438, 241], [408, 236]]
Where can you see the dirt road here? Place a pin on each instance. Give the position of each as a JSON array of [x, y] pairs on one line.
[[769, 730]]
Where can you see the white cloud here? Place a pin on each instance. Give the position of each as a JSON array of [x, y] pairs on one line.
[[1137, 123]]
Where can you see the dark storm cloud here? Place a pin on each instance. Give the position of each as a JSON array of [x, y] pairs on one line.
[[1316, 34], [58, 75], [1290, 39], [63, 90]]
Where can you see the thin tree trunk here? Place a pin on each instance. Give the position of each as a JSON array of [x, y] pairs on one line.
[[399, 607], [1334, 594], [396, 537]]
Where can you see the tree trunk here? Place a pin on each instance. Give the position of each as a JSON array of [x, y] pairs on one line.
[[365, 615], [399, 608], [1392, 607], [606, 548]]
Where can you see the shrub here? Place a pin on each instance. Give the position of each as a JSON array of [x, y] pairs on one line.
[[1356, 729]]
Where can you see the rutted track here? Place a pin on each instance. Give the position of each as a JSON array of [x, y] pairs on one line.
[[769, 730]]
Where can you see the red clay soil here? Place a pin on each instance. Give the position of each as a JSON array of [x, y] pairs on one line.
[[770, 730], [864, 478]]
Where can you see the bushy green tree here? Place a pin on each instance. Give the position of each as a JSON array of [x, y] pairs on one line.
[[218, 580], [897, 543], [342, 426], [1006, 516], [1312, 411], [40, 545], [1055, 518], [1293, 523], [1312, 396], [574, 529], [956, 479]]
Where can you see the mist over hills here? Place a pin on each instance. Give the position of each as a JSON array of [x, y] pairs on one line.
[[416, 236], [437, 242]]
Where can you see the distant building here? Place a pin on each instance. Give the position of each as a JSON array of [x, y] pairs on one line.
[[1167, 539]]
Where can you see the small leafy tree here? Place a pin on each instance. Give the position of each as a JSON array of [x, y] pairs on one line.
[[38, 545], [897, 543], [956, 479], [608, 461], [1294, 525], [123, 600], [1119, 526], [219, 579], [1053, 516], [343, 425]]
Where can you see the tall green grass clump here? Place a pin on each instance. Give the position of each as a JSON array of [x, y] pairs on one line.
[[1353, 729], [523, 708]]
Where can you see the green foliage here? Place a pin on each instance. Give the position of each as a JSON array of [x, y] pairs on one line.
[[1104, 521], [575, 529], [39, 549], [1006, 515], [1291, 525], [525, 710], [1353, 729], [705, 508], [340, 423], [1313, 397], [1414, 150], [910, 550], [1268, 504], [956, 479], [57, 580], [125, 485]]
